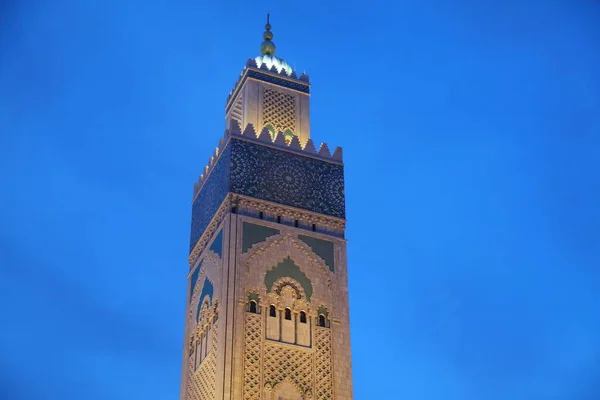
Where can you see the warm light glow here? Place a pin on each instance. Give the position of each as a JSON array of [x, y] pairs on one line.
[[269, 61]]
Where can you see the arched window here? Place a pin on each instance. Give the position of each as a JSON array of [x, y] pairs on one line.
[[302, 317], [321, 321], [252, 307], [288, 314], [272, 311]]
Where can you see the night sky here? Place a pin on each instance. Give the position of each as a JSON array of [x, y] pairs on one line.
[[471, 137]]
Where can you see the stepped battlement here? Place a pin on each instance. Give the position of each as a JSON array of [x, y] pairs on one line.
[[264, 137], [272, 75]]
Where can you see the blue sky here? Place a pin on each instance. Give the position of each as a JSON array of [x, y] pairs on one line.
[[471, 136]]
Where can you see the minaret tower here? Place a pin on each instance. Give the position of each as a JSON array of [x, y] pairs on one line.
[[267, 306]]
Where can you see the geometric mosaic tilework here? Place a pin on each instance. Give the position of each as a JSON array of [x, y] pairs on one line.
[[252, 356], [322, 248], [202, 383], [252, 234], [287, 268], [210, 197], [290, 363], [287, 178], [265, 173], [323, 364]]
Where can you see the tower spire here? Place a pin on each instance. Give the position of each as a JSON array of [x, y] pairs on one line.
[[267, 47]]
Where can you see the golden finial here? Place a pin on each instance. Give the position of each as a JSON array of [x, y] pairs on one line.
[[267, 47]]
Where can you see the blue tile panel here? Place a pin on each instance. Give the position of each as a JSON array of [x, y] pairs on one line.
[[286, 178], [295, 85], [322, 248], [217, 244], [269, 174], [194, 279], [211, 196], [207, 289]]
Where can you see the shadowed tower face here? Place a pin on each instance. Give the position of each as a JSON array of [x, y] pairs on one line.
[[267, 305]]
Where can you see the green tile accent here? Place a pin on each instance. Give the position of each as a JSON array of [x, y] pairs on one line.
[[322, 248], [323, 310], [287, 268], [252, 234], [253, 296]]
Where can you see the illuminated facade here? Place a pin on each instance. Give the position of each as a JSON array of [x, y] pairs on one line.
[[267, 305]]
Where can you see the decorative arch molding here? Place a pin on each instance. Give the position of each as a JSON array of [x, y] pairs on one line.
[[288, 269], [253, 294], [293, 245], [205, 313], [208, 268], [212, 259], [286, 389], [204, 291], [287, 292], [270, 253]]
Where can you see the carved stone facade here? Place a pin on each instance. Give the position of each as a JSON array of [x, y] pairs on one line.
[[267, 309]]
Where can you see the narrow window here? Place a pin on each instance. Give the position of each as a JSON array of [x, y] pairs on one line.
[[261, 215], [288, 314], [314, 227], [234, 210], [272, 311], [321, 320], [302, 317], [296, 223], [279, 219], [252, 307]]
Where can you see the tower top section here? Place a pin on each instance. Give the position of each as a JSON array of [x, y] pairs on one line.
[[267, 47], [268, 94], [267, 53]]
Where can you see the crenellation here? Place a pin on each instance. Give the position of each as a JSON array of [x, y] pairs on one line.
[[265, 136], [304, 77], [250, 132], [279, 139], [310, 147], [295, 144], [234, 127], [324, 151], [337, 154]]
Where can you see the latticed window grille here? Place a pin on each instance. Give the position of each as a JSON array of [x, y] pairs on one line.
[[279, 112]]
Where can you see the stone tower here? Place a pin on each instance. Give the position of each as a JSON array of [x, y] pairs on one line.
[[267, 305]]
